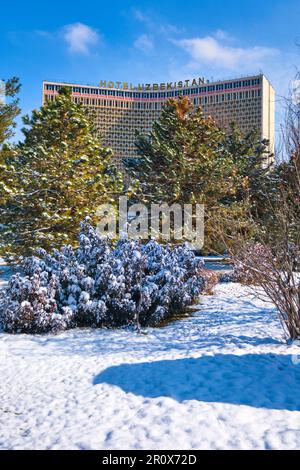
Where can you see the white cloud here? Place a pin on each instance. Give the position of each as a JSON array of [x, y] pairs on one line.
[[80, 37], [44, 34], [144, 43], [211, 50], [168, 29], [222, 35], [139, 16]]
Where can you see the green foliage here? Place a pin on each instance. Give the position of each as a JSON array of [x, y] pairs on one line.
[[54, 179], [252, 166], [178, 156], [9, 110]]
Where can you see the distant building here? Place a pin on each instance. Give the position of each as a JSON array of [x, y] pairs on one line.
[[122, 108]]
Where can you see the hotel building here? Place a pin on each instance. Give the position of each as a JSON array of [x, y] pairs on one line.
[[121, 108]]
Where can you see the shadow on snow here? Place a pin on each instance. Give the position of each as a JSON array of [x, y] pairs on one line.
[[260, 380]]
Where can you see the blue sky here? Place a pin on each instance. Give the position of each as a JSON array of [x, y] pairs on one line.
[[147, 41]]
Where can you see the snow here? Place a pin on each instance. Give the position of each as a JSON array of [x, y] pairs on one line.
[[217, 263], [222, 378]]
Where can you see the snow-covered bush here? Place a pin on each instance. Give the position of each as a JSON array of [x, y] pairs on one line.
[[98, 284], [29, 305]]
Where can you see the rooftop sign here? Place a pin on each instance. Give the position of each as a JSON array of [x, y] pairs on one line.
[[152, 86]]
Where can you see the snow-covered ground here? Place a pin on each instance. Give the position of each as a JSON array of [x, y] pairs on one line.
[[222, 378]]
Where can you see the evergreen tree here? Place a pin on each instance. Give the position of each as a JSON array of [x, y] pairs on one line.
[[57, 176], [182, 159], [8, 110], [252, 165]]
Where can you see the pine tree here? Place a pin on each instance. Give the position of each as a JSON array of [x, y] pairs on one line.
[[180, 158], [57, 176], [252, 166], [8, 110]]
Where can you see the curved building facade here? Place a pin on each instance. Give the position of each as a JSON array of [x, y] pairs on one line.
[[121, 108]]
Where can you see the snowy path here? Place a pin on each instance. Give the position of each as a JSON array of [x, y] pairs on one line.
[[222, 378]]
